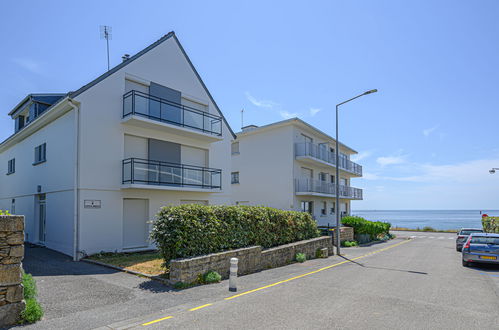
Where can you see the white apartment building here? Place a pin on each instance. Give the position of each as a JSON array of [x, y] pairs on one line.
[[291, 165], [89, 169]]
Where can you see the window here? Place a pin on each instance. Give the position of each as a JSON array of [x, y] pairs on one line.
[[332, 178], [234, 177], [235, 148], [11, 168], [324, 208], [13, 206], [40, 154], [307, 207], [322, 176], [331, 211]]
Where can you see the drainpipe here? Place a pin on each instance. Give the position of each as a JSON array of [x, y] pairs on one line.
[[76, 256]]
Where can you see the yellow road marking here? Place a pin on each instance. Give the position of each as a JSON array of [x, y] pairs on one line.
[[199, 307], [158, 320], [314, 272]]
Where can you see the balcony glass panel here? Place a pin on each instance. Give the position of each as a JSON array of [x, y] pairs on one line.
[[321, 152]]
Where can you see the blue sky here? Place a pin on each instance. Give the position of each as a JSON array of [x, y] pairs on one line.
[[426, 140]]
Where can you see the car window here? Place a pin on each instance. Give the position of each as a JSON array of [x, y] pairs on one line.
[[485, 240], [467, 232]]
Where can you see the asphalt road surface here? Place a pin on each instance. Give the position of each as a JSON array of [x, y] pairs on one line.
[[414, 283]]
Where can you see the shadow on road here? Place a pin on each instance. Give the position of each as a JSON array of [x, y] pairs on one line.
[[393, 269]]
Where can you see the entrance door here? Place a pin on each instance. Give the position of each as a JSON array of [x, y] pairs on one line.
[[42, 217], [135, 226]]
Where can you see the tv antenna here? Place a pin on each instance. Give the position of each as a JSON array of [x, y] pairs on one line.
[[242, 118], [106, 33]]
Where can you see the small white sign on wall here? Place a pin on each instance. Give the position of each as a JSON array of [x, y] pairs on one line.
[[92, 204]]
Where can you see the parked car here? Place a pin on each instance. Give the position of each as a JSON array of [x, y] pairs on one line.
[[463, 234], [481, 248]]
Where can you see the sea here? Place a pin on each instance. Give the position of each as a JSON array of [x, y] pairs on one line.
[[438, 219]]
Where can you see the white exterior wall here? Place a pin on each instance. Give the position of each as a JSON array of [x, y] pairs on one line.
[[55, 176], [102, 147], [265, 169]]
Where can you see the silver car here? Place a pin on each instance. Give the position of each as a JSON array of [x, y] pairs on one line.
[[481, 248], [463, 234]]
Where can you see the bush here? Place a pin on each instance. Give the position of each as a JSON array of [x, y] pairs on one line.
[[360, 225], [211, 276], [428, 228], [191, 230], [33, 311], [300, 257], [349, 243], [490, 224], [4, 212]]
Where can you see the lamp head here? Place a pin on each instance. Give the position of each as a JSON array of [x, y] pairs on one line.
[[370, 91], [492, 171]]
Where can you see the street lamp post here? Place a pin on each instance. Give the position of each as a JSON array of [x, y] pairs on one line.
[[493, 170], [337, 230]]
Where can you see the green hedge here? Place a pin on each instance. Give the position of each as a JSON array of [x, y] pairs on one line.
[[192, 230], [490, 224], [375, 229]]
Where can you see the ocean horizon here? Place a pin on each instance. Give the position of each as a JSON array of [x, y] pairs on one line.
[[438, 219]]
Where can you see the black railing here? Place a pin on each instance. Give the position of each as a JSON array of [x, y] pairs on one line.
[[305, 185], [153, 172], [321, 152], [155, 108]]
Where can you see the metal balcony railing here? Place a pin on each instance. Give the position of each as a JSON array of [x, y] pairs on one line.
[[322, 152], [155, 108], [304, 185], [152, 172]]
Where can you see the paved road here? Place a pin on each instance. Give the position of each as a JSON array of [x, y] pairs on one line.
[[413, 284]]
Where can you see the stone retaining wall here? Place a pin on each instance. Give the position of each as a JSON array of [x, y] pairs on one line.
[[346, 234], [11, 255], [251, 259]]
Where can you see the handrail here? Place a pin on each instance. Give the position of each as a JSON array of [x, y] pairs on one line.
[[323, 154], [323, 187], [213, 122]]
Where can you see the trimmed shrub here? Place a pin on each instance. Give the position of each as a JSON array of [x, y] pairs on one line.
[[375, 229], [349, 243], [301, 257], [490, 224], [211, 276], [4, 212], [192, 230]]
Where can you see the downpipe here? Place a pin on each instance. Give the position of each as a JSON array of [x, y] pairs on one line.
[[76, 108]]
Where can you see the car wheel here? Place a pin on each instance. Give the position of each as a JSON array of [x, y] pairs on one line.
[[466, 263]]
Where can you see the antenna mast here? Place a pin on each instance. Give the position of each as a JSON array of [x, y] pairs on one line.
[[106, 33], [242, 118]]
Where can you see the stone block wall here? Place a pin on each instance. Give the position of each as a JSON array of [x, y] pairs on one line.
[[346, 234], [11, 256], [251, 259]]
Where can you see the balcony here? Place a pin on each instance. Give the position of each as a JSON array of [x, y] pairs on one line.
[[319, 154], [311, 187], [152, 174], [156, 113]]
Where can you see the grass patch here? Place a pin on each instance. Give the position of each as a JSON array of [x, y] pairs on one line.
[[149, 263], [425, 229]]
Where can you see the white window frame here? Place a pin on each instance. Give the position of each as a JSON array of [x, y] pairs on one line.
[[11, 166], [40, 154]]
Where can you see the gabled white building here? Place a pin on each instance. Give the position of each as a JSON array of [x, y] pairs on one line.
[[291, 165], [90, 168]]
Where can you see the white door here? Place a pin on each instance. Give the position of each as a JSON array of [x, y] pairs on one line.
[[135, 226]]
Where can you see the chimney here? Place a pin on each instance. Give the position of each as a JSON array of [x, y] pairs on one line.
[[125, 57], [249, 128]]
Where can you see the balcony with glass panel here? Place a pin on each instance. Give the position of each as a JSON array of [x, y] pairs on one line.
[[320, 155], [152, 174], [311, 187], [149, 111]]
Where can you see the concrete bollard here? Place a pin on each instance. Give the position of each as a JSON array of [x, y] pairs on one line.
[[233, 275]]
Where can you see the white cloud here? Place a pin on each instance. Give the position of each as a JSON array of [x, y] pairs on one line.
[[287, 115], [428, 131], [28, 64], [361, 155], [370, 176], [314, 111], [391, 160], [261, 103]]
